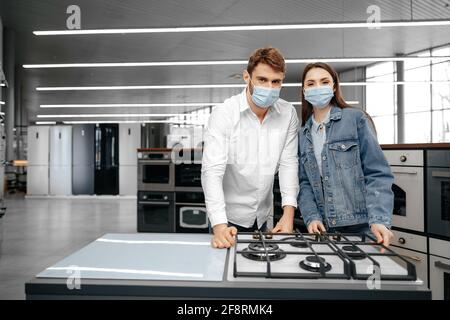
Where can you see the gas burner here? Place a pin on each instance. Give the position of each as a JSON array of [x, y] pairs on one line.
[[353, 252], [256, 251], [297, 242], [312, 263]]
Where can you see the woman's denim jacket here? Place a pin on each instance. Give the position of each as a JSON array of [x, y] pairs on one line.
[[357, 180]]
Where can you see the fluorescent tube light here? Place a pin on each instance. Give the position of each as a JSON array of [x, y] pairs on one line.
[[269, 27], [117, 115], [129, 105], [225, 62]]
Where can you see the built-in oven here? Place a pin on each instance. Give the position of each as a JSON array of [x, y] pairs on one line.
[[408, 188], [413, 248], [438, 192], [156, 211], [155, 171], [439, 269], [191, 215]]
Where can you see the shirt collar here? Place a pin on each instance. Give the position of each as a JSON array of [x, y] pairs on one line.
[[316, 125]]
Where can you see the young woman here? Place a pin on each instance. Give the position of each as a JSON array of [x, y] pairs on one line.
[[345, 180]]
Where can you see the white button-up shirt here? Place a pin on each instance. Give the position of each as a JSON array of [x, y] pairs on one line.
[[242, 155]]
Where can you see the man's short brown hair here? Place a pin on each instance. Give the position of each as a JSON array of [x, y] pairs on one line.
[[270, 56]]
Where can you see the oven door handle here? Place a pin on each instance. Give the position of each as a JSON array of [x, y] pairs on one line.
[[441, 265], [158, 203], [440, 174], [405, 172], [414, 258]]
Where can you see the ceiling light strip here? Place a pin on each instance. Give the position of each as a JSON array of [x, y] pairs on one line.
[[215, 86], [272, 27], [225, 62], [118, 115], [143, 105], [129, 105]]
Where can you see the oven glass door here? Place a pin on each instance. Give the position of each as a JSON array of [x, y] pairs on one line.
[[156, 216], [155, 174], [438, 201], [193, 217], [188, 175], [408, 198]]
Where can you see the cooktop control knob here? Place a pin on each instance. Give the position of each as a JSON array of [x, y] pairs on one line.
[[402, 240], [403, 158]]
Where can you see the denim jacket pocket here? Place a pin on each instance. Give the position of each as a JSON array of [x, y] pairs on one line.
[[344, 153]]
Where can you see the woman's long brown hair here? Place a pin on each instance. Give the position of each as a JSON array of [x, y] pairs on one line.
[[337, 100]]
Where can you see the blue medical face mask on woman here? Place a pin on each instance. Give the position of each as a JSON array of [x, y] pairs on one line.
[[319, 97], [265, 97]]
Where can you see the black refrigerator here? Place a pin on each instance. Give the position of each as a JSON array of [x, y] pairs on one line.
[[83, 152], [106, 180]]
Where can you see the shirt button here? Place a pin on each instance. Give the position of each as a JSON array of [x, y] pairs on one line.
[[330, 199], [343, 146], [324, 158], [333, 222], [326, 178]]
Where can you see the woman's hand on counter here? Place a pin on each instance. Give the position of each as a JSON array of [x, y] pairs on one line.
[[224, 236], [316, 226], [383, 234]]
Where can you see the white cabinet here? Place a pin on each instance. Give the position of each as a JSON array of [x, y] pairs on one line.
[[60, 180], [61, 146], [38, 160], [38, 145], [128, 180], [37, 180], [61, 160], [129, 142]]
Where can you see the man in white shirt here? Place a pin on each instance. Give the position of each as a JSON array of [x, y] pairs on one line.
[[249, 138]]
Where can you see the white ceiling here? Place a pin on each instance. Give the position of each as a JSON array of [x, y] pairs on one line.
[[25, 16]]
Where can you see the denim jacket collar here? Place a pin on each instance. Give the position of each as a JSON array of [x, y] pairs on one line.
[[335, 114]]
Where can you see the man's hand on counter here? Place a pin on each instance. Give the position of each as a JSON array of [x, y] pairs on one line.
[[286, 223], [224, 236]]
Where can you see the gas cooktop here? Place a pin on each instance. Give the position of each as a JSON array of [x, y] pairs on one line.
[[316, 256]]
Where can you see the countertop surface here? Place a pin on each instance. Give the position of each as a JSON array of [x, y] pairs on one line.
[[416, 146], [146, 256], [185, 266]]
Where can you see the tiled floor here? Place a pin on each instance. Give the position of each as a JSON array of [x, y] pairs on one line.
[[40, 232]]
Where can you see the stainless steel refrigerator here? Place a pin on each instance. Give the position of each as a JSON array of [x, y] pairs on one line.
[[83, 152], [61, 160], [106, 181]]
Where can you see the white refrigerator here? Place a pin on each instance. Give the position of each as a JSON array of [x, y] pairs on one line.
[[129, 142], [61, 160], [38, 160]]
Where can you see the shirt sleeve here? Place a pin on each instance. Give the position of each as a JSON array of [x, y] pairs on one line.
[[288, 167], [214, 161]]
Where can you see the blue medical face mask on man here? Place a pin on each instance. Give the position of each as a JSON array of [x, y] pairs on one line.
[[319, 97], [265, 97]]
